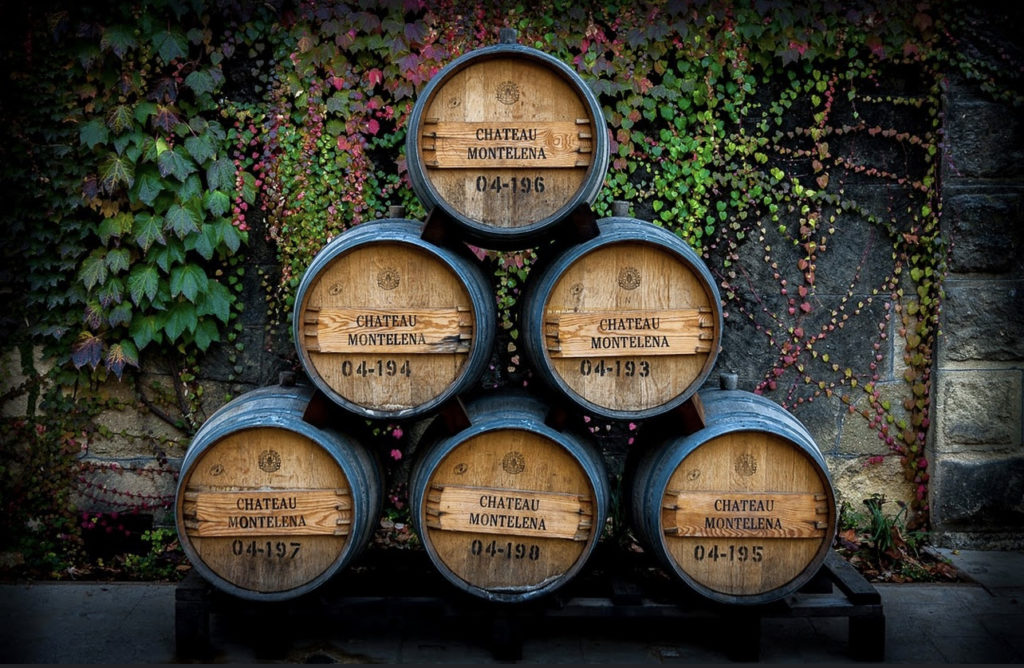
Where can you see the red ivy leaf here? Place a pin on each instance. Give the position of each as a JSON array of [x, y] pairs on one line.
[[165, 118], [375, 76], [165, 90], [874, 42]]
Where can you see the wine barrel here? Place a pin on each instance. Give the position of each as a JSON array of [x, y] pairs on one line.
[[742, 511], [626, 324], [268, 507], [389, 325], [507, 141], [508, 508]]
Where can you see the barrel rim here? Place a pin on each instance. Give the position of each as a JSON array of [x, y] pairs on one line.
[[581, 449], [357, 476], [409, 234], [476, 231], [799, 429], [613, 230]]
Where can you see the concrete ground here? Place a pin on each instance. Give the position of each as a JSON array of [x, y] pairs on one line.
[[981, 621]]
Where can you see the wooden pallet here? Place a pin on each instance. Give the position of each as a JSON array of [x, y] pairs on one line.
[[396, 589]]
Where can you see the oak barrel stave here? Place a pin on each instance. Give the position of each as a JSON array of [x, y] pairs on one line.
[[269, 507], [627, 324], [389, 325], [508, 508], [507, 141]]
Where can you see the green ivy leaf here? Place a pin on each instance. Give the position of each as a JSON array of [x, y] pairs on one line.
[[120, 143], [216, 300], [118, 260], [116, 170], [181, 220], [200, 147], [248, 187], [93, 271], [147, 230], [205, 242], [170, 45], [148, 186], [143, 282], [188, 280], [169, 255], [144, 329], [216, 202], [120, 118], [201, 82], [190, 192], [114, 227], [111, 292], [181, 317], [230, 236], [136, 139], [175, 163], [220, 175], [143, 110], [205, 334], [119, 39], [94, 132], [338, 103]]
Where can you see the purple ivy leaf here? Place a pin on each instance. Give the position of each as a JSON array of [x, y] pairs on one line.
[[88, 349], [408, 63], [121, 354], [416, 32]]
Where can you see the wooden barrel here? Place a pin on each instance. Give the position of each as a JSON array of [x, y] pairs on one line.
[[508, 508], [743, 511], [268, 506], [627, 324], [389, 325], [507, 141]]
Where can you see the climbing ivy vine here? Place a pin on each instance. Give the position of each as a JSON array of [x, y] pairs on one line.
[[149, 144]]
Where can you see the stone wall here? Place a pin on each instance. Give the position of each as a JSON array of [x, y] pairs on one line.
[[977, 485]]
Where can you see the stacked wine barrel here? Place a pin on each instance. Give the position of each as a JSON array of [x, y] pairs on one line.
[[395, 319]]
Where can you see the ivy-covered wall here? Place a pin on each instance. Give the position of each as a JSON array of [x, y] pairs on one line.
[[171, 168]]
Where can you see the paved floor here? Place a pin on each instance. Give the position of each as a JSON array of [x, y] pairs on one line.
[[981, 621]]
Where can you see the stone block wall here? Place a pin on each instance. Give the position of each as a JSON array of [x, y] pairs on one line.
[[977, 450]]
